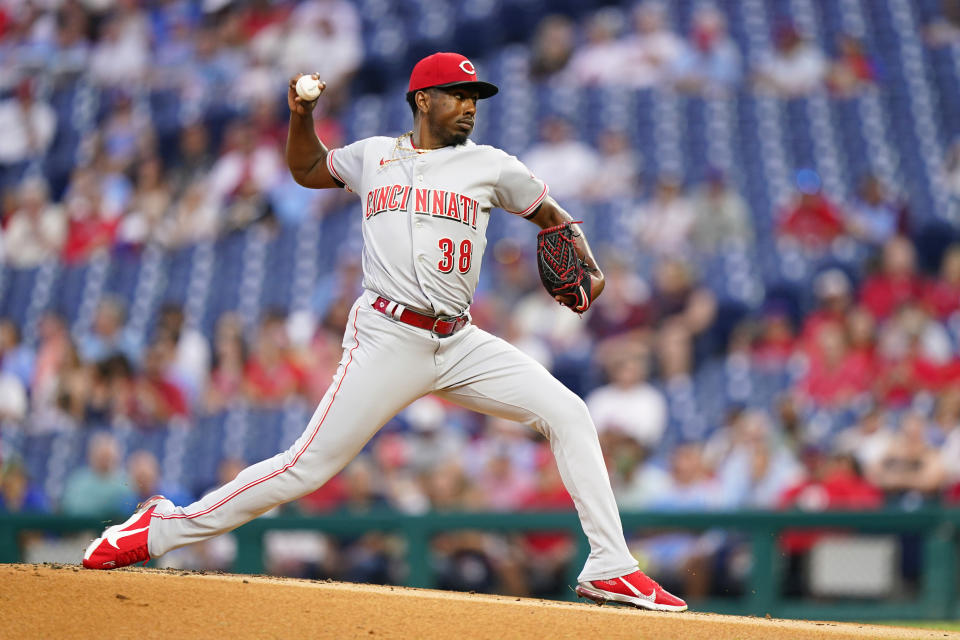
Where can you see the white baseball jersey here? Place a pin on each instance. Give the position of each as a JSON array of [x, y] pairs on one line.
[[425, 214]]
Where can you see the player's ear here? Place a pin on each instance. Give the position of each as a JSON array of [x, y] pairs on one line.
[[422, 98]]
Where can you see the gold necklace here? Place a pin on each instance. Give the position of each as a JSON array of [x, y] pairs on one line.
[[398, 149]]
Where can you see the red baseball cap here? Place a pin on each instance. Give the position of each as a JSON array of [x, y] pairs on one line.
[[448, 70]]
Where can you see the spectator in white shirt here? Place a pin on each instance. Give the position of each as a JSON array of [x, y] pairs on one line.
[[950, 455], [73, 49], [721, 215], [27, 126], [618, 169], [324, 36], [868, 440], [194, 218], [121, 56], [37, 228], [190, 366], [796, 68], [564, 163], [664, 222], [951, 168], [13, 398], [650, 54], [598, 61], [245, 165], [628, 403]]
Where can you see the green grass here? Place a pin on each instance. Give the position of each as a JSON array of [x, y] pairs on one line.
[[942, 625]]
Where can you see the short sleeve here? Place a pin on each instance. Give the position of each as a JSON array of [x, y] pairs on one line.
[[518, 190], [346, 164]]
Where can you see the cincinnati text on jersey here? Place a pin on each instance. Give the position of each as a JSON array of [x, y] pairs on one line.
[[436, 203]]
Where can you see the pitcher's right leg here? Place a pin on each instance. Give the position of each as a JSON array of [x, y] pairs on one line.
[[377, 377]]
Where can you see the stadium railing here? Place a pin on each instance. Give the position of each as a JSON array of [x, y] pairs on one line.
[[936, 595]]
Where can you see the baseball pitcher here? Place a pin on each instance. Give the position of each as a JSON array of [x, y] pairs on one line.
[[427, 197]]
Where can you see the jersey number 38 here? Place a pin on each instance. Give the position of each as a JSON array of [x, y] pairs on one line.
[[449, 256]]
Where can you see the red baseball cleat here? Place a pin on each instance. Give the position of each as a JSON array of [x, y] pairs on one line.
[[636, 589], [123, 544]]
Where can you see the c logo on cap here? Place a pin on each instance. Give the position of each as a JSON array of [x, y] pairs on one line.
[[467, 67]]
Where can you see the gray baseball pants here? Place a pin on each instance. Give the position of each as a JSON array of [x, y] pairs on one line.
[[386, 365]]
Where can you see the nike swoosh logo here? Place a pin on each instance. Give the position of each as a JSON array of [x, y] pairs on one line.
[[640, 594], [586, 303], [113, 537]]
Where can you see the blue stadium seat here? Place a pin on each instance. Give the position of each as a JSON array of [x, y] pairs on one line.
[[123, 275], [18, 292]]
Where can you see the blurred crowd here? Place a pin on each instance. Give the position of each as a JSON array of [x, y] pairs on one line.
[[637, 48], [874, 348], [206, 159]]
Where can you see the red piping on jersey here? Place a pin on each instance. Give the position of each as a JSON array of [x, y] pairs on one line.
[[295, 458], [333, 171], [532, 206]]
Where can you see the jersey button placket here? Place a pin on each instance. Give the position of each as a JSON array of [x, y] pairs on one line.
[[418, 222], [419, 175]]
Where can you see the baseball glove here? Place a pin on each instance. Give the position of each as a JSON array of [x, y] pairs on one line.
[[562, 271]]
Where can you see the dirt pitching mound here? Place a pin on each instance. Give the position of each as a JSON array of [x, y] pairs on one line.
[[65, 601]]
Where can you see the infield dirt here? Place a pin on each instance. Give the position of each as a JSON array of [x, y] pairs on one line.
[[65, 601]]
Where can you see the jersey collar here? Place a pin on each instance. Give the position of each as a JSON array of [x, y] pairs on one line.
[[406, 142]]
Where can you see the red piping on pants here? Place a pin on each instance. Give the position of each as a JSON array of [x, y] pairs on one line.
[[295, 459]]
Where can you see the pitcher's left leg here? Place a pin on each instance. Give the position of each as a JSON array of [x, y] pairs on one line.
[[491, 376]]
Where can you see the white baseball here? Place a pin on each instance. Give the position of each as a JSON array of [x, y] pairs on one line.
[[308, 88]]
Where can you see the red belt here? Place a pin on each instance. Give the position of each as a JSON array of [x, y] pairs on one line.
[[441, 326]]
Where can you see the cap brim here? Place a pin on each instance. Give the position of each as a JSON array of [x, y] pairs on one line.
[[485, 89]]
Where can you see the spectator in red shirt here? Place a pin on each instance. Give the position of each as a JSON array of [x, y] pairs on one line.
[[861, 337], [896, 382], [271, 374], [835, 483], [811, 218], [260, 15], [54, 351], [156, 398], [319, 359], [775, 341], [88, 230], [862, 331], [836, 376], [330, 497], [229, 364], [943, 296], [546, 554], [897, 281], [834, 301], [853, 69], [915, 353]]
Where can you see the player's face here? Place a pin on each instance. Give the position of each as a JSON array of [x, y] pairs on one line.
[[452, 113]]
